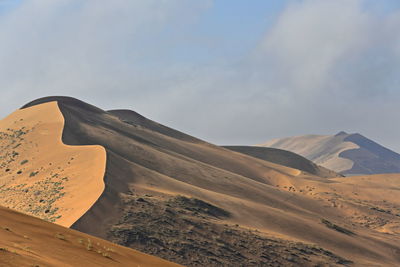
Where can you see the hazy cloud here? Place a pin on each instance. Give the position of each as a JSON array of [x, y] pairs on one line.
[[101, 50], [322, 67]]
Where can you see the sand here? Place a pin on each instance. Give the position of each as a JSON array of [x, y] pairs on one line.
[[323, 150], [285, 158], [29, 241], [39, 174]]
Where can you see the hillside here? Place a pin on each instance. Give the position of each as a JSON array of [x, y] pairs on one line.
[[285, 158], [349, 154], [28, 241], [194, 203]]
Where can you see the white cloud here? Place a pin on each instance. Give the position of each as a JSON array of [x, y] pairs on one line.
[[90, 49], [310, 37], [336, 63], [324, 66]]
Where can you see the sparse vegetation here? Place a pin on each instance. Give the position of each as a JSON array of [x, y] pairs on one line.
[[32, 174], [4, 249], [197, 205], [60, 236], [6, 228], [89, 245], [381, 210], [102, 250], [189, 231], [45, 191], [106, 255], [336, 227]]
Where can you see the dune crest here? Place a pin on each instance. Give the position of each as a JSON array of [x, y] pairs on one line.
[[42, 176]]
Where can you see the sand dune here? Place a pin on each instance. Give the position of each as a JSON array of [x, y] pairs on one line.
[[28, 241], [41, 176], [169, 194], [285, 158], [321, 149], [349, 154]]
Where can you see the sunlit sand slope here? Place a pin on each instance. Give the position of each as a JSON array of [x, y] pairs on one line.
[[41, 176], [29, 241]]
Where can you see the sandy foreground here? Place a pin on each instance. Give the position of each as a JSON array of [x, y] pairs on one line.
[[29, 241]]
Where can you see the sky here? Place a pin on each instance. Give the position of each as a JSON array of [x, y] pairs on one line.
[[226, 71]]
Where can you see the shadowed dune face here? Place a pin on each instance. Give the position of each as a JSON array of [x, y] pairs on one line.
[[149, 165], [41, 176], [134, 118], [370, 157], [28, 241], [285, 158]]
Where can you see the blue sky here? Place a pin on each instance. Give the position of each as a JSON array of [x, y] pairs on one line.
[[7, 5], [230, 72]]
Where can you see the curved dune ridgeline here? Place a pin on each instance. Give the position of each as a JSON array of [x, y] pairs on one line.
[[42, 176], [198, 204]]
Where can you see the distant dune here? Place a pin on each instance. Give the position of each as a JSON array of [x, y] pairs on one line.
[[349, 154], [285, 158], [191, 202]]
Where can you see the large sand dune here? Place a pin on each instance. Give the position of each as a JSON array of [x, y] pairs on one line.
[[195, 203]]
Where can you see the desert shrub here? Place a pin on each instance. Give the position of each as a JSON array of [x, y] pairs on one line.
[[106, 255], [89, 245], [60, 236], [32, 174], [336, 227]]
